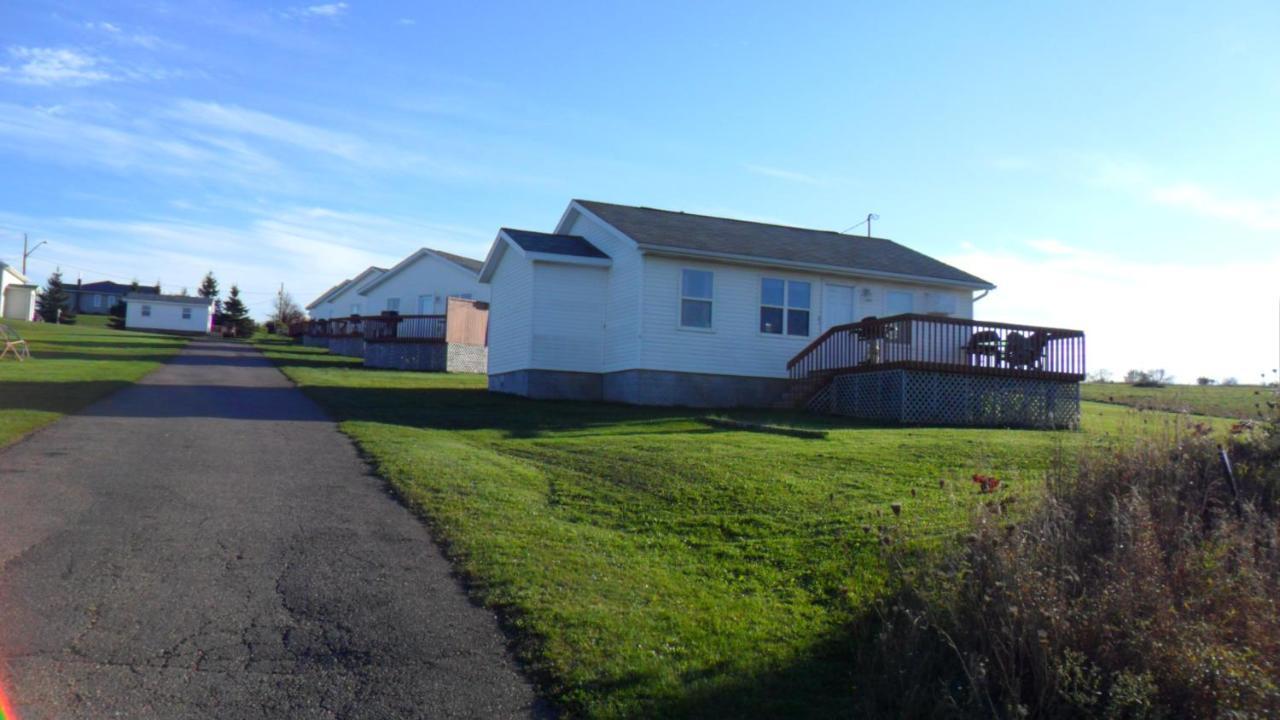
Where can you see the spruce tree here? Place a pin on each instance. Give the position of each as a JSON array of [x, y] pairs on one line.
[[53, 298], [209, 289], [235, 314]]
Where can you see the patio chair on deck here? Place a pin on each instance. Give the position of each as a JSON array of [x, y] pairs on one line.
[[13, 343], [983, 348], [1025, 351]]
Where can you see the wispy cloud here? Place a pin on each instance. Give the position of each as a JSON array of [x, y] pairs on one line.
[[781, 174], [1254, 213], [54, 66], [120, 35], [323, 10], [243, 121], [318, 246]]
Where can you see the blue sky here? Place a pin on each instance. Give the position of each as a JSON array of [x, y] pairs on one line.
[[1110, 167]]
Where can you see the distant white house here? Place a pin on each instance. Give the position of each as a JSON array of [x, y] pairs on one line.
[[344, 299], [422, 283], [170, 313], [17, 294], [648, 306]]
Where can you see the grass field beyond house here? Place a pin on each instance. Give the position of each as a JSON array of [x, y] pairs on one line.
[[652, 564], [71, 367], [1231, 401]]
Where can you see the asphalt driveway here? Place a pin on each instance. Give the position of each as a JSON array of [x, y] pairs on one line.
[[206, 544]]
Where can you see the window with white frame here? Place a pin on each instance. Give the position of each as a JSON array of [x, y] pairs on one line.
[[696, 290], [785, 306], [393, 304], [355, 308], [97, 301], [146, 311], [186, 313]]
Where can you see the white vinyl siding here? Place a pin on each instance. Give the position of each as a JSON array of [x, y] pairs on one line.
[[623, 323], [344, 300], [431, 276], [511, 315], [568, 317], [161, 315]]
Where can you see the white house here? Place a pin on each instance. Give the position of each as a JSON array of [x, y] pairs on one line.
[[170, 313], [17, 294], [344, 299], [422, 283], [649, 306]]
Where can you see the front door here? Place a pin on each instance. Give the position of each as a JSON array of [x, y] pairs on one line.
[[837, 305], [426, 304]]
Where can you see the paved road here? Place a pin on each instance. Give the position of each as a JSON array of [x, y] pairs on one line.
[[206, 544]]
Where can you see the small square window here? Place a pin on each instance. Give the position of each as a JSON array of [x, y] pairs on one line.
[[784, 306], [186, 313], [146, 311], [393, 304]]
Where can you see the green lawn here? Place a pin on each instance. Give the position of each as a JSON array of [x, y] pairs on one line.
[[1231, 401], [71, 367], [650, 564]]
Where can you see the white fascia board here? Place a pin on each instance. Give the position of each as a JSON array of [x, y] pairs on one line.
[[325, 297], [402, 265], [814, 267], [568, 259], [501, 244]]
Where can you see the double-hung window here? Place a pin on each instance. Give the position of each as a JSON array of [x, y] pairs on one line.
[[393, 304], [696, 290], [186, 313], [146, 311], [785, 306]]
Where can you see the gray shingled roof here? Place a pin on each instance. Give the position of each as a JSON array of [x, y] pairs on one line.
[[466, 262], [703, 233], [575, 245]]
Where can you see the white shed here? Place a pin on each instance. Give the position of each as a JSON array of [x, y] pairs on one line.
[[169, 313], [17, 294]]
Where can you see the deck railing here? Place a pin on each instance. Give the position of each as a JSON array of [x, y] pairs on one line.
[[386, 328], [926, 342], [377, 328]]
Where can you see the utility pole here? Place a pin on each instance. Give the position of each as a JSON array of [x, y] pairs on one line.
[[27, 253]]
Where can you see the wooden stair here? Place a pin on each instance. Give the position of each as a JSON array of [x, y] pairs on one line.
[[800, 392]]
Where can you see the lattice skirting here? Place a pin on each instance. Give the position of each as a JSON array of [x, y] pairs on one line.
[[932, 398]]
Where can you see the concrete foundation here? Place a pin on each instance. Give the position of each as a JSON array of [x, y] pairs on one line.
[[549, 384], [679, 389], [347, 346], [643, 387], [917, 397], [426, 356]]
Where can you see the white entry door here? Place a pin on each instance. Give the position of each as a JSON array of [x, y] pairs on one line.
[[837, 305], [426, 304]]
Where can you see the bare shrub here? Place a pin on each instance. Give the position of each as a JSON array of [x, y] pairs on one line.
[[1146, 584]]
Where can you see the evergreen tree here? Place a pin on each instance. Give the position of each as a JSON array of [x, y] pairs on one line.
[[209, 289], [54, 298], [235, 314]]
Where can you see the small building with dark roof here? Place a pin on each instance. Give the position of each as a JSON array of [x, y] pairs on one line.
[[649, 306], [97, 298]]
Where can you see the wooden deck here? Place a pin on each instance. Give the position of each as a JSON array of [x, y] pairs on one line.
[[942, 344]]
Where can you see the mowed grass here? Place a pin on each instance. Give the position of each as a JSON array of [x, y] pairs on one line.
[[649, 564], [1230, 401], [71, 367]]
